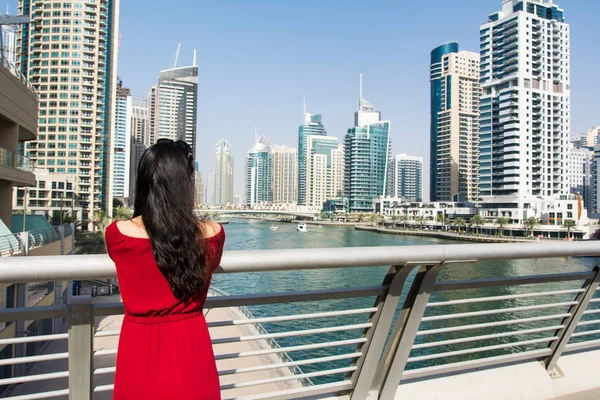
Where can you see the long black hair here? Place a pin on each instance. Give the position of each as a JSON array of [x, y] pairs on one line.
[[164, 198]]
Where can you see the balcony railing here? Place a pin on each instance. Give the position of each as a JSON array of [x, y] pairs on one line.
[[9, 158], [366, 340], [17, 74]]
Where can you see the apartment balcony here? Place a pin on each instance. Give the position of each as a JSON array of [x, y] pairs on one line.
[[508, 341]]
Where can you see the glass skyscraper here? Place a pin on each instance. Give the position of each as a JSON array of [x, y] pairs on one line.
[[69, 54], [312, 127], [121, 143], [175, 105], [223, 182], [408, 178], [367, 151], [257, 176]]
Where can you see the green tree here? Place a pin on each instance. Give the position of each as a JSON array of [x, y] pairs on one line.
[[395, 219], [460, 222], [530, 223], [477, 220], [404, 218], [501, 221], [442, 219], [373, 218], [360, 218], [569, 224], [122, 213]]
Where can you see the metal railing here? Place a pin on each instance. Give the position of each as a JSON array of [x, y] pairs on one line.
[[9, 158], [12, 68], [21, 242], [355, 341]]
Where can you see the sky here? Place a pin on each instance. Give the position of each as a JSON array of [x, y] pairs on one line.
[[258, 58]]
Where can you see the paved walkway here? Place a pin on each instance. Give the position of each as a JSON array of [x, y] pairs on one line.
[[114, 322]]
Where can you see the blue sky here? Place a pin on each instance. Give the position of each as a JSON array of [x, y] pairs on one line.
[[258, 58]]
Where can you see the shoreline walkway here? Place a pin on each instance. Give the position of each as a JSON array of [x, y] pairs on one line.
[[113, 322]]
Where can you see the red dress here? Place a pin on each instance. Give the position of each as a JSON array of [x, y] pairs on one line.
[[165, 350]]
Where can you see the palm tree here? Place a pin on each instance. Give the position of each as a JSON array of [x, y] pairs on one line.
[[442, 219], [404, 218], [569, 224], [122, 213], [395, 219], [420, 220], [100, 220], [477, 220], [373, 219], [501, 221], [460, 222], [531, 223]]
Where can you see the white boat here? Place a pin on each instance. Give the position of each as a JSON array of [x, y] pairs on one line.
[[274, 227], [301, 227]]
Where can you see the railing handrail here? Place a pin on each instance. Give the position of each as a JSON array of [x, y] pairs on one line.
[[52, 268], [17, 74]]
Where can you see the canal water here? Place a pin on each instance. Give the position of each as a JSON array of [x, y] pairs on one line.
[[256, 235]]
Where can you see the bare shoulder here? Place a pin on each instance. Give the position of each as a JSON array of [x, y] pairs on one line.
[[129, 228], [209, 228]]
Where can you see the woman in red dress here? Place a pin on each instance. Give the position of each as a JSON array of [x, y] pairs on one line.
[[165, 258]]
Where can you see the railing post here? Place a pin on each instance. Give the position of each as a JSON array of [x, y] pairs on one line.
[[372, 350], [392, 365], [81, 342], [570, 323]]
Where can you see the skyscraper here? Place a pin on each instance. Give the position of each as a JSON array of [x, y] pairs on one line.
[[139, 139], [322, 169], [121, 143], [174, 103], [454, 151], [367, 150], [257, 176], [284, 174], [312, 126], [408, 178], [223, 189], [8, 43], [74, 73], [525, 104]]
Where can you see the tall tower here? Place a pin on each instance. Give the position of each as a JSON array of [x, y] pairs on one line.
[[8, 43], [223, 182], [312, 126], [257, 176], [454, 151], [139, 139], [367, 150], [121, 143], [323, 153], [525, 104], [284, 174], [174, 106], [74, 72]]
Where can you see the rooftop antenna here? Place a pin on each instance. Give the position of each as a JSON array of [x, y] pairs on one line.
[[360, 89], [194, 63], [176, 55], [255, 133], [304, 104]]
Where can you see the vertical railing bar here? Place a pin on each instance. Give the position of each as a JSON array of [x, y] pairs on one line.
[[377, 335], [81, 342], [570, 323], [391, 368]]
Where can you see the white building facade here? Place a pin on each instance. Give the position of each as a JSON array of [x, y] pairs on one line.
[[525, 103]]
